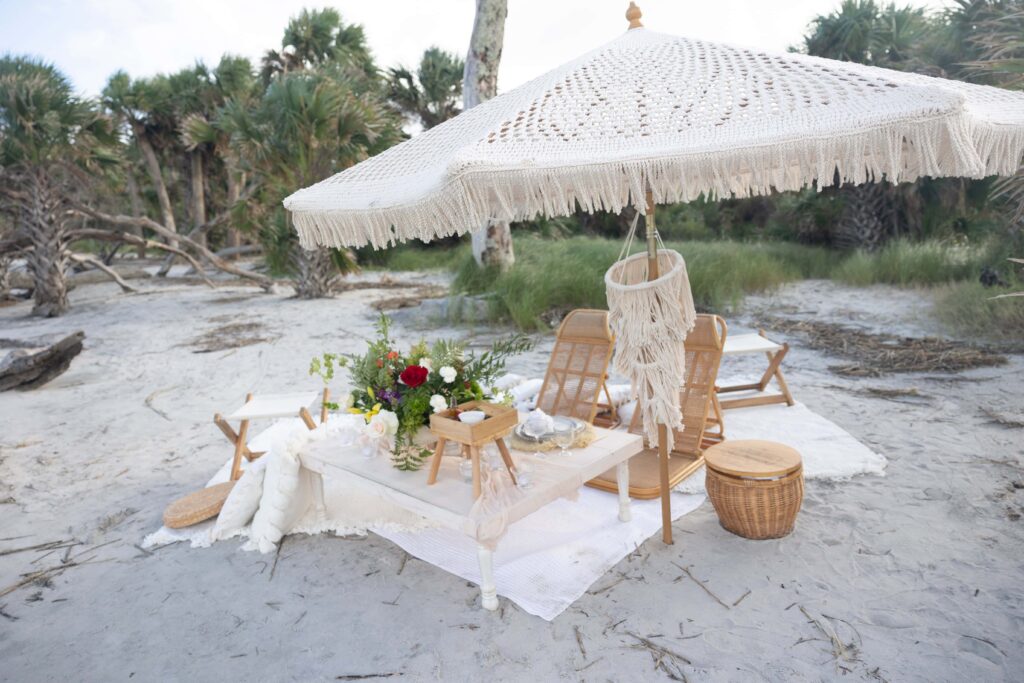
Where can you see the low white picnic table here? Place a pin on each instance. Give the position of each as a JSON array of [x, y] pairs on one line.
[[450, 503]]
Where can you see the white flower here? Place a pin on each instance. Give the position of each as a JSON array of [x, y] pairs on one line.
[[346, 402], [501, 397], [438, 403], [425, 363], [384, 423], [448, 374]]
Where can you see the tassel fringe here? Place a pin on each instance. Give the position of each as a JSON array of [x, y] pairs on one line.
[[474, 194]]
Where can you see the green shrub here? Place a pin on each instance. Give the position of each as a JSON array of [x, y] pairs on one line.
[[559, 275], [970, 310], [914, 263]]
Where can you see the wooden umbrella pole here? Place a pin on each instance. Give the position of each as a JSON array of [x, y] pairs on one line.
[[653, 273]]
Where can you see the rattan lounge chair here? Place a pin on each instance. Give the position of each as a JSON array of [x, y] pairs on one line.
[[575, 384], [703, 356]]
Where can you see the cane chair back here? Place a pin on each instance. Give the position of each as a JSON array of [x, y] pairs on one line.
[[578, 369]]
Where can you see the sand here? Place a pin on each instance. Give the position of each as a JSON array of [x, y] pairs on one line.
[[911, 576]]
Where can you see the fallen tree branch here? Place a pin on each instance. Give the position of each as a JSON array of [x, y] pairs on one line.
[[87, 260], [220, 264], [241, 250], [135, 240]]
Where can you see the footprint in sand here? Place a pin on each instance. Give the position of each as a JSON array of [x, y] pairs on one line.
[[982, 648]]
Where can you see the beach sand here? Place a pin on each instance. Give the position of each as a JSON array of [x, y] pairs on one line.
[[914, 576]]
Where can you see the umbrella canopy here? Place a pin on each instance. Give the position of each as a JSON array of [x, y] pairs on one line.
[[677, 116]]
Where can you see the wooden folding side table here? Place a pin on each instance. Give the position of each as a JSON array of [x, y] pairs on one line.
[[267, 406]]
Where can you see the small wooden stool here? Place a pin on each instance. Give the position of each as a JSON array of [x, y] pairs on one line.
[[756, 487]]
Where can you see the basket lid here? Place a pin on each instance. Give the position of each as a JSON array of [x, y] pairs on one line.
[[752, 458]]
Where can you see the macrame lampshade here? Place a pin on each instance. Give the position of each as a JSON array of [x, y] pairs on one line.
[[650, 320]]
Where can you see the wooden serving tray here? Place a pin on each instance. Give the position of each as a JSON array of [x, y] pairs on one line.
[[500, 421]]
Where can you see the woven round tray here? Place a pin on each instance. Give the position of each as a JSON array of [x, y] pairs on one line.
[[197, 506], [585, 438], [756, 487]]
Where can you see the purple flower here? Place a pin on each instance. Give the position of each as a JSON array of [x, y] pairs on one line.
[[389, 395]]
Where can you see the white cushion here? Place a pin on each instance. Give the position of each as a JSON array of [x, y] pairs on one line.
[[242, 502], [287, 493]]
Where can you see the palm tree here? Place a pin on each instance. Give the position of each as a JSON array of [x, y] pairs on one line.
[[864, 32], [891, 37], [317, 37], [147, 107], [208, 128], [433, 94], [996, 49], [50, 140], [308, 125]]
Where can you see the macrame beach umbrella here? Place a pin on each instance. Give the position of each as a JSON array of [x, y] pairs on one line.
[[654, 118]]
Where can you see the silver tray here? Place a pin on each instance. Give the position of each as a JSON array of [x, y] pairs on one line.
[[577, 428]]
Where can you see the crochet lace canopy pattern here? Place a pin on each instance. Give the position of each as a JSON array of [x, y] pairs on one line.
[[680, 116]]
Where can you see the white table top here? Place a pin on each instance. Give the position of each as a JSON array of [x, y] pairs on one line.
[[748, 343], [275, 405], [450, 501]]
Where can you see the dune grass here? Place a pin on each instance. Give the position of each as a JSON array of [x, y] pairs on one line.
[[914, 263], [565, 274], [557, 275], [968, 309]]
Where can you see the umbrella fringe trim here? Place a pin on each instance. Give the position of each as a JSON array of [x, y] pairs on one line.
[[941, 146]]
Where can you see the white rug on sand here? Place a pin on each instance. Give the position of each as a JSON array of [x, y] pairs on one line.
[[549, 559]]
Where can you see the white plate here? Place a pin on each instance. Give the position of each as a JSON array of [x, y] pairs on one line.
[[577, 427]]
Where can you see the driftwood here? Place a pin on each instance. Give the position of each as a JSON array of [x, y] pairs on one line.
[[33, 363], [220, 264]]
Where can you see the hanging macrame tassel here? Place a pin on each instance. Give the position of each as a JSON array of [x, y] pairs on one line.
[[651, 321]]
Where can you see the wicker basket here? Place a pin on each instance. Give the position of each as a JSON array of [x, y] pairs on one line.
[[756, 507]]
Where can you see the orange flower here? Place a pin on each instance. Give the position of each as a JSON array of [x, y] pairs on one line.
[[392, 355], [380, 363]]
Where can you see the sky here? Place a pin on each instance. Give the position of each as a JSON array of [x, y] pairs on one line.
[[91, 39]]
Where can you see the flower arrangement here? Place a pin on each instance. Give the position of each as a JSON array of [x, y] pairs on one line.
[[396, 393]]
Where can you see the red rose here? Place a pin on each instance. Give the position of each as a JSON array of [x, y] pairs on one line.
[[414, 375]]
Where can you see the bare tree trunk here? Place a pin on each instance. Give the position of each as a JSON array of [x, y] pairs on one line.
[[136, 202], [157, 178], [492, 243], [47, 258], [163, 198], [316, 273], [234, 192], [198, 195], [5, 277]]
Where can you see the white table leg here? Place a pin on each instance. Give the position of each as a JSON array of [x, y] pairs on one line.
[[622, 478], [319, 503], [488, 591]]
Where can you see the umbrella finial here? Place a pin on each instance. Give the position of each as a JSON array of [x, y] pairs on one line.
[[633, 14]]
